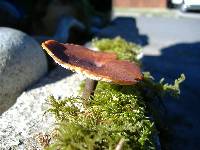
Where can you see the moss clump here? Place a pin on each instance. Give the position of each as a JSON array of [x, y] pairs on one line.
[[124, 50], [115, 113], [160, 89]]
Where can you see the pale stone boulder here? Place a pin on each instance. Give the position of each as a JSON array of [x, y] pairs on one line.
[[22, 62]]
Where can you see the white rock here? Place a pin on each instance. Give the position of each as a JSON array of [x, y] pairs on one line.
[[22, 62], [27, 118]]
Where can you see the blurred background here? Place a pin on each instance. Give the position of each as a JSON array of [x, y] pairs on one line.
[[167, 30], [47, 17]]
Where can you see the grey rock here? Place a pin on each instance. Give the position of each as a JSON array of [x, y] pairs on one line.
[[26, 119], [22, 62]]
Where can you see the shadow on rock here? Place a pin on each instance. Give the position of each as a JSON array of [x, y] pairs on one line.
[[126, 28], [183, 114], [54, 76]]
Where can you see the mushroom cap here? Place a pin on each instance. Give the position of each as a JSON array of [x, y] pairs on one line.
[[102, 66]]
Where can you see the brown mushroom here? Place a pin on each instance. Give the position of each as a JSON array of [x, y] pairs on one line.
[[95, 65]]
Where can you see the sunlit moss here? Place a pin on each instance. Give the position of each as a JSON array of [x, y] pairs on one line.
[[124, 50], [115, 112]]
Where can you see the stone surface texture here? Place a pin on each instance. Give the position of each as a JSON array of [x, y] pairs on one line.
[[22, 62], [26, 119]]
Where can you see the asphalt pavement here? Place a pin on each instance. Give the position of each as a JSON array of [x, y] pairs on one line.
[[173, 47]]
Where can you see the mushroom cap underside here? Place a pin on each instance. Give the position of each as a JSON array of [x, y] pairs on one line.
[[95, 65]]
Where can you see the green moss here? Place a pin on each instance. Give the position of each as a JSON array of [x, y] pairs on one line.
[[125, 50], [160, 89], [114, 113]]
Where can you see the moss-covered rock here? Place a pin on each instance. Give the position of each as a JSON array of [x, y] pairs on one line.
[[115, 114]]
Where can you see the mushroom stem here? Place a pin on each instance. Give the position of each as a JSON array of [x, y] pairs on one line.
[[90, 86]]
